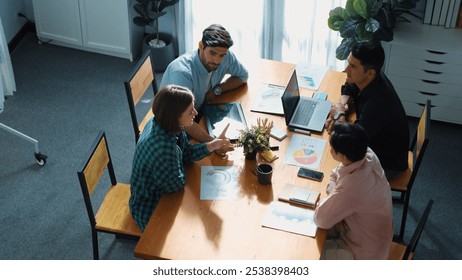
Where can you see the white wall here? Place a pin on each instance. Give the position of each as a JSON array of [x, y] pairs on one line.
[[8, 13]]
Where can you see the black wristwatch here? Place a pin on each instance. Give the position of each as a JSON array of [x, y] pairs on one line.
[[217, 90], [338, 115]]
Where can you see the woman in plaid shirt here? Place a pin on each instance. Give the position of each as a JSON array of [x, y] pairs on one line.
[[162, 149]]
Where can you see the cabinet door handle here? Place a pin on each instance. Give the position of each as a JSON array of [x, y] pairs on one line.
[[433, 72], [434, 62], [430, 82], [435, 52], [427, 93]]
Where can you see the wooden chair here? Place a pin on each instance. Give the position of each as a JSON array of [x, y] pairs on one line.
[[135, 87], [113, 215], [404, 181], [400, 251]]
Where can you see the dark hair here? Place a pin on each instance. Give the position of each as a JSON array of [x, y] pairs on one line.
[[350, 140], [169, 104], [216, 36], [371, 55]]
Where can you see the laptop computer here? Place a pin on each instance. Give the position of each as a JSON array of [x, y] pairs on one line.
[[303, 112]]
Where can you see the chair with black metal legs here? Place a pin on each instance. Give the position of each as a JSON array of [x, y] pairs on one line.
[[113, 215], [400, 251], [404, 181], [136, 86]]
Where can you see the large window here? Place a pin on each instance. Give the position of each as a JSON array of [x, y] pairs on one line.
[[286, 30]]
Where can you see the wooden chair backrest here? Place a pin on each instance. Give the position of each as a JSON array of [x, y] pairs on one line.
[[422, 134], [420, 143], [96, 164], [92, 169], [142, 78], [135, 87]]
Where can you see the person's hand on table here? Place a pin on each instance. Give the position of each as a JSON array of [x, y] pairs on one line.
[[220, 146], [335, 109], [226, 145]]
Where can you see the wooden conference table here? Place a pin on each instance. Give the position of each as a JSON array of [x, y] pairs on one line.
[[185, 227]]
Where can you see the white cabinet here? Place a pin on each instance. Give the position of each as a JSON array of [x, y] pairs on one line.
[[425, 62], [102, 26]]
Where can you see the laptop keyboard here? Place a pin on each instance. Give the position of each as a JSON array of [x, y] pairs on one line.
[[304, 112]]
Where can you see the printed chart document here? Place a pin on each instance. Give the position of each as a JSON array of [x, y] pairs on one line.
[[268, 99], [286, 217], [219, 183], [305, 151], [310, 75]]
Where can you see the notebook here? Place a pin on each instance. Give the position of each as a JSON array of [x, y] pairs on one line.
[[303, 112], [299, 195]]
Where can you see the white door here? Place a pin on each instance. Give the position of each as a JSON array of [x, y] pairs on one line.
[[58, 20], [105, 25]]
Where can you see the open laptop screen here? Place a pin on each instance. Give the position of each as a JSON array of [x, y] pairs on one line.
[[290, 97]]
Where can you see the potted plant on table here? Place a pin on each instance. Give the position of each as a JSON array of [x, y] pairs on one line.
[[367, 20], [255, 139], [160, 44]]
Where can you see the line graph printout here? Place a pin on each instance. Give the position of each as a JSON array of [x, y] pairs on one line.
[[218, 183], [305, 151], [310, 75]]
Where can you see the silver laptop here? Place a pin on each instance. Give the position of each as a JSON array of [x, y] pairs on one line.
[[303, 112]]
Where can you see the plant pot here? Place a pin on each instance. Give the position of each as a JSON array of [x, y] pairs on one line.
[[251, 156], [161, 57]]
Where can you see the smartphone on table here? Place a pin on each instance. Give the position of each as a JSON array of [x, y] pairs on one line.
[[310, 174]]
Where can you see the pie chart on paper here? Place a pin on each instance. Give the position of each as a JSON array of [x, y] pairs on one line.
[[305, 156]]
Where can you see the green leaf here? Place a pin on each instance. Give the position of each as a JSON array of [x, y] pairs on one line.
[[372, 25], [386, 18], [349, 28], [362, 34], [350, 9], [336, 18], [361, 8], [376, 5], [344, 49]]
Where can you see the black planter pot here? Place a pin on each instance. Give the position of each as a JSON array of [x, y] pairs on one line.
[[161, 57]]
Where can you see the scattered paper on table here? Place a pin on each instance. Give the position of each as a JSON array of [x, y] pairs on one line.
[[268, 99], [305, 151], [233, 129], [218, 183], [310, 75], [286, 217]]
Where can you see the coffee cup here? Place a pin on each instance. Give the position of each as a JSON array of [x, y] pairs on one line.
[[264, 172]]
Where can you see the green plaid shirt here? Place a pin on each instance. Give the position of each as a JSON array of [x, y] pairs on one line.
[[158, 168]]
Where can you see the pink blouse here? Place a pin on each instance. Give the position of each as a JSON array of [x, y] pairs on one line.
[[359, 195]]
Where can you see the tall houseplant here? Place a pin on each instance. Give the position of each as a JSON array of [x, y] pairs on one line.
[[149, 12], [367, 20]]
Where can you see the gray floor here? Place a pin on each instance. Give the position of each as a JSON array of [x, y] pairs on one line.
[[65, 96]]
